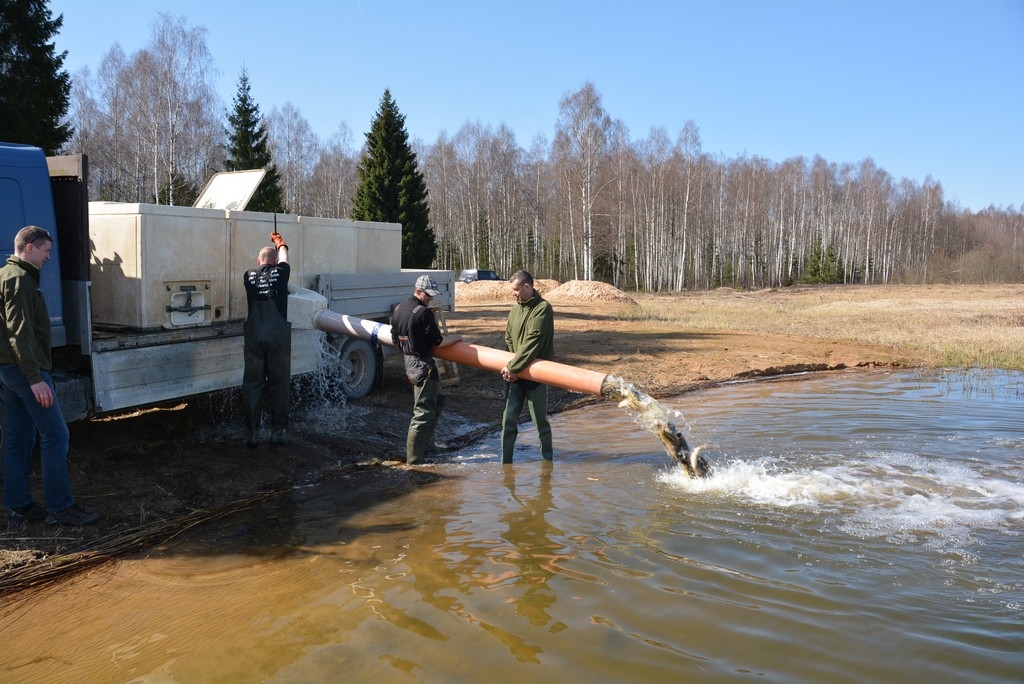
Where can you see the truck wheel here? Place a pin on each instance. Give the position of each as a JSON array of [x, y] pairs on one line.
[[358, 367]]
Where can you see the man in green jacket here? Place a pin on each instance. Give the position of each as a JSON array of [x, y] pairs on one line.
[[30, 400], [529, 335]]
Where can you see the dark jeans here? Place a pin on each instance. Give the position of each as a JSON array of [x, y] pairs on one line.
[[24, 417]]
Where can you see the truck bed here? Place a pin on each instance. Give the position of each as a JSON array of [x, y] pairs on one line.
[[133, 368]]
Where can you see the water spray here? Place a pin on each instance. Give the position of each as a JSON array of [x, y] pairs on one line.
[[649, 414]]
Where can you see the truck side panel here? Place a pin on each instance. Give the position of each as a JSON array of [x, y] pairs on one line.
[[372, 295], [138, 376]]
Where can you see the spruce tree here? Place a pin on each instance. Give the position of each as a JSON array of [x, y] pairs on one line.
[[184, 194], [248, 149], [34, 87], [392, 188]]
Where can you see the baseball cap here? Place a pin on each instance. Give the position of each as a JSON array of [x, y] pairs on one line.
[[428, 285]]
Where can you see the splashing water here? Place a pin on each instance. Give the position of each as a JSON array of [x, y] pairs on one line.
[[320, 398], [660, 421]]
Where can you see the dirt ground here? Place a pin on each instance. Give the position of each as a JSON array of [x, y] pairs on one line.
[[145, 471]]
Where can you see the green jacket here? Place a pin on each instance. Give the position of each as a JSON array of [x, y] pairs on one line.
[[26, 338], [530, 333]]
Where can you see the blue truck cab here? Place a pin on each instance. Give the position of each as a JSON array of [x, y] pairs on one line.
[[51, 192], [26, 199]]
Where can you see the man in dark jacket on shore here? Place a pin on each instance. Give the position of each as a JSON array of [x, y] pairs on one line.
[[529, 335], [30, 398]]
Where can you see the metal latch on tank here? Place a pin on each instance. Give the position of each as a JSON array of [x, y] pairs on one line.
[[187, 305]]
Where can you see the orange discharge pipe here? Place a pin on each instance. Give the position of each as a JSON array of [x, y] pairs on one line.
[[546, 372]]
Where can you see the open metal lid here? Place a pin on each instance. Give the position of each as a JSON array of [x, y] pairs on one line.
[[230, 190]]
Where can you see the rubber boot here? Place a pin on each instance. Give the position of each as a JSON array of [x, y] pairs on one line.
[[431, 435], [508, 442], [252, 419], [415, 448], [515, 397]]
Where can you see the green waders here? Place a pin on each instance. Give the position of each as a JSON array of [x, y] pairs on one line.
[[268, 355], [425, 411], [537, 400]]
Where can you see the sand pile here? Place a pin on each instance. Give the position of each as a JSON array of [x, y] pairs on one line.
[[487, 291], [545, 286], [481, 291], [587, 291], [572, 292]]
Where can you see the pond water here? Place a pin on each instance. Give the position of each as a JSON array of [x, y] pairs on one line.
[[857, 527]]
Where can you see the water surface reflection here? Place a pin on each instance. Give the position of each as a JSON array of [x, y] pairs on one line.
[[859, 527]]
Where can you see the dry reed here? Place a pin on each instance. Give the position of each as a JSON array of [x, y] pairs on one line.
[[40, 573]]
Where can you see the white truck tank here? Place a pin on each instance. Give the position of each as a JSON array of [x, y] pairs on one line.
[[164, 267]]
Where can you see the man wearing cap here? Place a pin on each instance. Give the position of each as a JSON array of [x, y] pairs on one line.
[[414, 330]]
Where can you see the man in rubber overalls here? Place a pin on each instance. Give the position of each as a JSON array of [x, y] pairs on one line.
[[268, 342], [414, 330]]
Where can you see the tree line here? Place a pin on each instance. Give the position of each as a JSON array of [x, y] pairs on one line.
[[652, 213]]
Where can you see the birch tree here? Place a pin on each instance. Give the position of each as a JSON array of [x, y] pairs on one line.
[[439, 166], [583, 128], [176, 74], [296, 149], [334, 177]]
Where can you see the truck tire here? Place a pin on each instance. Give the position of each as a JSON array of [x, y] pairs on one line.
[[359, 367]]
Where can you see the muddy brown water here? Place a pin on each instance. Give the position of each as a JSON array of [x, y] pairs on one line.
[[860, 527]]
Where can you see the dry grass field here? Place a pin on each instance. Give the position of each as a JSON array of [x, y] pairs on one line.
[[938, 326]]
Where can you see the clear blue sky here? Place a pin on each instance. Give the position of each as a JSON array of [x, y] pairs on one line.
[[923, 87]]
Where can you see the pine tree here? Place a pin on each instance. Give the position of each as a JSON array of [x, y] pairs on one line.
[[823, 264], [392, 188], [248, 149], [34, 88]]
